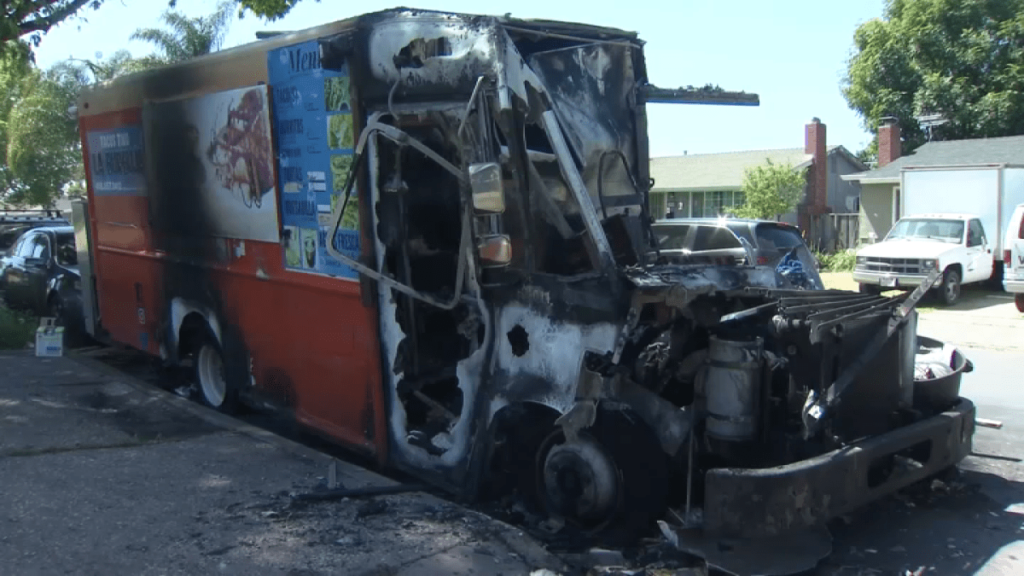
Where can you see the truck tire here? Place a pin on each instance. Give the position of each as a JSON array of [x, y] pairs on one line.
[[1019, 301], [949, 288], [212, 386], [640, 472]]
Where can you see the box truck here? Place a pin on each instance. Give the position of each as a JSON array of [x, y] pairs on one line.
[[426, 237]]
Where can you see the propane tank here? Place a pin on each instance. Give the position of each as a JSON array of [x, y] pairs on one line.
[[733, 389]]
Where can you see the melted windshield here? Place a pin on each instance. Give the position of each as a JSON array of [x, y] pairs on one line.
[[951, 231]]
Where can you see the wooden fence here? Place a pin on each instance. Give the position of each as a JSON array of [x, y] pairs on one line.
[[834, 232]]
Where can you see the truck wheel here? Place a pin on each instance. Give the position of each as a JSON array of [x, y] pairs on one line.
[[1019, 301], [869, 289], [949, 289], [612, 484], [213, 388]]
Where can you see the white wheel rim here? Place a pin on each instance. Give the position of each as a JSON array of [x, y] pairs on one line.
[[211, 376]]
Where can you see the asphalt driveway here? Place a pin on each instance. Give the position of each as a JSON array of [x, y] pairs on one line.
[[101, 474]]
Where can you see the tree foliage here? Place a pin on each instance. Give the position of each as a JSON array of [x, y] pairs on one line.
[[38, 133], [771, 190], [269, 9], [42, 150], [183, 37], [33, 18], [961, 59], [14, 71]]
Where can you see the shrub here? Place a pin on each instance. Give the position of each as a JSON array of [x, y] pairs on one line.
[[16, 328], [842, 261]]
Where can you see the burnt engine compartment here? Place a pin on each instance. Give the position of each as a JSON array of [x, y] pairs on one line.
[[707, 378], [748, 363]]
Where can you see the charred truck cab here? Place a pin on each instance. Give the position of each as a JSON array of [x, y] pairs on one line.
[[426, 236]]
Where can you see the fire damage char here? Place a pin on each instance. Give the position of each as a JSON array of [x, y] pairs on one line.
[[533, 343]]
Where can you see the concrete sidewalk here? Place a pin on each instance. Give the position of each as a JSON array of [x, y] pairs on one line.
[[103, 474]]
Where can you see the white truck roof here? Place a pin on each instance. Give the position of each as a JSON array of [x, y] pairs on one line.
[[941, 216]]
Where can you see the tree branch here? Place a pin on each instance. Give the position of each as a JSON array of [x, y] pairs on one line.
[[44, 23]]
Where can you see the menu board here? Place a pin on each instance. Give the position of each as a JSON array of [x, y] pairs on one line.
[[315, 140]]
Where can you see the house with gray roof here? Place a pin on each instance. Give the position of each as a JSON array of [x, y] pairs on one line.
[[881, 188], [710, 185]]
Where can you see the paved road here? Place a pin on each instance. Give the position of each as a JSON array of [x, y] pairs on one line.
[[101, 475]]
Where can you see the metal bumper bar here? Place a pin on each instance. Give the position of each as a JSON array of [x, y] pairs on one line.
[[752, 503]]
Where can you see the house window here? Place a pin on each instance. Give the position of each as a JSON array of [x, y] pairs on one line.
[[658, 205], [703, 204], [716, 202], [697, 205], [738, 198]]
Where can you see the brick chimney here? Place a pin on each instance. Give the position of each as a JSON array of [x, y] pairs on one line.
[[817, 174], [889, 145]]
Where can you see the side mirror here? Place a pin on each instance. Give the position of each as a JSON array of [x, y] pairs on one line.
[[488, 191], [495, 251]]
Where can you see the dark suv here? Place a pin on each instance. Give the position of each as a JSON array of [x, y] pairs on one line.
[[718, 241], [40, 273], [14, 223]]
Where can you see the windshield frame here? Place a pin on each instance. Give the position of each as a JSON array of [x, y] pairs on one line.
[[63, 240], [920, 222]]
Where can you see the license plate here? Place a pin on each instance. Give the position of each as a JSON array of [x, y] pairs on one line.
[[889, 282]]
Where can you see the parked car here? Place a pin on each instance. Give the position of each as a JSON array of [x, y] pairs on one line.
[[1013, 257], [41, 274], [917, 245], [14, 223], [721, 241]]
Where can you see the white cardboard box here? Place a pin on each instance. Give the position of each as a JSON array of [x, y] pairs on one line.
[[49, 338]]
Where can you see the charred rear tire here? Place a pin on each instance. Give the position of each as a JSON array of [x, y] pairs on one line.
[[212, 388], [612, 485]]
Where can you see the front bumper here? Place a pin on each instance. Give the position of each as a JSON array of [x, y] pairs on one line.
[[888, 280], [1013, 286], [752, 503]]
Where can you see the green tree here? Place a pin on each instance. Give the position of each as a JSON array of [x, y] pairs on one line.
[[183, 37], [269, 9], [961, 59], [102, 70], [14, 71], [43, 151], [38, 133], [33, 18], [771, 190]]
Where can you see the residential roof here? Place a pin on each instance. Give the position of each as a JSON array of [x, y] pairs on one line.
[[973, 152], [724, 171]]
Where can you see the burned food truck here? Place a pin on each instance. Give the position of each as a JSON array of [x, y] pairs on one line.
[[426, 237]]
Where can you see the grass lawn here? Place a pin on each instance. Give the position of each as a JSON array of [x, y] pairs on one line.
[[844, 281], [838, 281]]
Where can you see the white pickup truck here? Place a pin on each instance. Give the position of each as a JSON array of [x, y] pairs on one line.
[[916, 245]]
